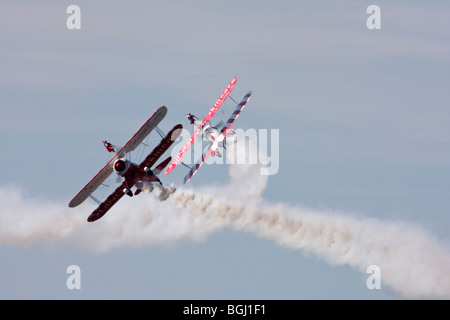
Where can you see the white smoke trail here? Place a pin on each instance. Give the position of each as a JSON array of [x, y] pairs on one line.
[[412, 262], [24, 221]]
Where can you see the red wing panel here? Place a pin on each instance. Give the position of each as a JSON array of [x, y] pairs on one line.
[[162, 147], [219, 101], [199, 163], [108, 203], [236, 113], [183, 150], [207, 118]]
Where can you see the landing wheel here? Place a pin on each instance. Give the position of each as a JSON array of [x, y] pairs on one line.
[[128, 192]]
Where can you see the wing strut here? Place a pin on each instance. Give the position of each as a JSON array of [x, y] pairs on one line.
[[160, 132], [184, 164], [95, 199]]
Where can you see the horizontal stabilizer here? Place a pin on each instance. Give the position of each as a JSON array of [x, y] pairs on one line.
[[161, 166]]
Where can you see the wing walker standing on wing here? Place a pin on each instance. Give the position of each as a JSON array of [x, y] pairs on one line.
[[192, 118], [110, 147]]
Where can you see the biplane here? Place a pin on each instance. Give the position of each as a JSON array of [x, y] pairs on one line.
[[215, 134], [135, 175]]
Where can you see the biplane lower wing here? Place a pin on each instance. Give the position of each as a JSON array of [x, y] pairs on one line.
[[108, 203], [182, 152], [131, 145], [160, 167], [207, 118], [206, 154]]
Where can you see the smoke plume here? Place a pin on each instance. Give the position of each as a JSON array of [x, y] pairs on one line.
[[412, 262]]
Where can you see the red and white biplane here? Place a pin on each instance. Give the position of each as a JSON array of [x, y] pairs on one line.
[[140, 176], [215, 134]]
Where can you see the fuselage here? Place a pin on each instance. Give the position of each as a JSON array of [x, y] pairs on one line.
[[132, 174], [213, 135]]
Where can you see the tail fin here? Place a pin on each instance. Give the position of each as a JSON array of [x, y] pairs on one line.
[[161, 166]]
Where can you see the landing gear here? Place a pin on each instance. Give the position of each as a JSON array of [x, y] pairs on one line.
[[128, 192]]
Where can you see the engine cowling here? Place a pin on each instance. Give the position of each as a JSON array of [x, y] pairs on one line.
[[121, 166]]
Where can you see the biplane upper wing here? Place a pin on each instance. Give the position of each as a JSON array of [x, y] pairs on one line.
[[131, 145], [207, 118], [219, 102]]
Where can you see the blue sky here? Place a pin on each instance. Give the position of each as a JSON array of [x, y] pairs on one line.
[[362, 116]]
